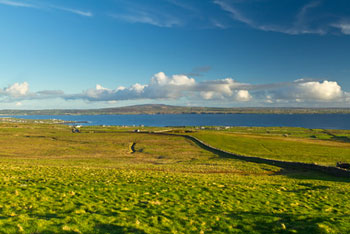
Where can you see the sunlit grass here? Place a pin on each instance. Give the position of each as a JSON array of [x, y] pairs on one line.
[[300, 145], [54, 181]]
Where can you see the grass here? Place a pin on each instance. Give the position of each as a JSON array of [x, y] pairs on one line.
[[54, 181], [290, 144]]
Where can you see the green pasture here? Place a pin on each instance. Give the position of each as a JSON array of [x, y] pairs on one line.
[[325, 147], [56, 181]]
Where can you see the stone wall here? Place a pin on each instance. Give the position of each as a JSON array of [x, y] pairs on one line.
[[335, 171]]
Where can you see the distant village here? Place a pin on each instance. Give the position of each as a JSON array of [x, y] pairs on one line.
[[15, 120], [76, 127]]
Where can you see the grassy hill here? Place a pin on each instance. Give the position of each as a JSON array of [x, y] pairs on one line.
[[110, 180]]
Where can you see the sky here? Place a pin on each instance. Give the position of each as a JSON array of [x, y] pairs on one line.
[[58, 54]]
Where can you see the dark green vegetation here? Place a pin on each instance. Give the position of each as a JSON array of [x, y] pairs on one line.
[[106, 180], [166, 109]]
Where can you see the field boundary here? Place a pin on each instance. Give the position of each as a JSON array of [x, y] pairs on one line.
[[330, 170]]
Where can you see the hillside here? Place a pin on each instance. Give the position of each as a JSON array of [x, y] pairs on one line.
[[113, 180], [167, 109]]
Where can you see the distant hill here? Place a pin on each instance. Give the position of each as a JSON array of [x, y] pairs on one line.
[[167, 109]]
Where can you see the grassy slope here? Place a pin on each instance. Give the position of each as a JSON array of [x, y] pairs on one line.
[[54, 181], [290, 144]]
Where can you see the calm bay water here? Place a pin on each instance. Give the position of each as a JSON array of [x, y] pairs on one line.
[[326, 121]]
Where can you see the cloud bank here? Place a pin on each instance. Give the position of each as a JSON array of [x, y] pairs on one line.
[[174, 87], [182, 87]]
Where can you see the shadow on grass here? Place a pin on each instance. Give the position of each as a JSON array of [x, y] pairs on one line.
[[310, 175], [47, 216], [337, 138], [112, 228], [259, 222], [341, 139]]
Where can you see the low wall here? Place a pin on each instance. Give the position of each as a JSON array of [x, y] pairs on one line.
[[335, 171]]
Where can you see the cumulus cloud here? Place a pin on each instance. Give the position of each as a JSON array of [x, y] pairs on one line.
[[20, 91], [182, 87], [172, 87], [308, 91], [160, 87], [222, 89], [326, 90], [175, 87], [243, 96], [16, 90]]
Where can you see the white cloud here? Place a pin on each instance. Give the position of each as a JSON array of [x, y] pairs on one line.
[[45, 6], [306, 91], [344, 27], [176, 87], [138, 88], [159, 87], [145, 18], [177, 80], [184, 88], [16, 4], [173, 87], [135, 13], [326, 90], [236, 14], [243, 96], [17, 90], [74, 11], [97, 92], [207, 95], [302, 22], [237, 95], [218, 89]]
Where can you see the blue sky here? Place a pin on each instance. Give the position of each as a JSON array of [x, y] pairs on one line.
[[91, 54]]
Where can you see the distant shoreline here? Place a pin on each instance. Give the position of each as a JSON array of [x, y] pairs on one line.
[[314, 121], [204, 113], [166, 109]]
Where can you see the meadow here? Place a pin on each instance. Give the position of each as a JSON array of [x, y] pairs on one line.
[[325, 147], [111, 180]]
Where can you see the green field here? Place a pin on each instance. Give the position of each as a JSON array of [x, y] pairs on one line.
[[325, 147], [108, 180]]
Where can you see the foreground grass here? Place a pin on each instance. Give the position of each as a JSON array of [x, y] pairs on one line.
[[65, 199], [53, 181]]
